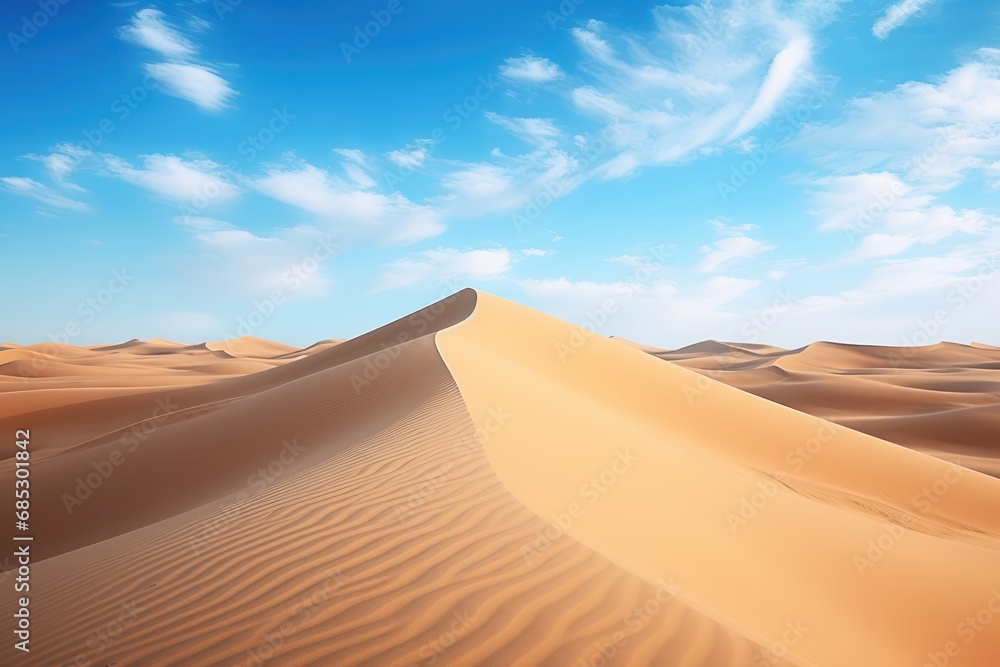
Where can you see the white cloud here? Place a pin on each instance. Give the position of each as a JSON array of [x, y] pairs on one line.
[[197, 182], [734, 245], [893, 158], [353, 155], [785, 70], [385, 218], [898, 14], [195, 83], [182, 75], [198, 223], [28, 187], [149, 28], [410, 157], [446, 264], [242, 263], [64, 160], [535, 131], [537, 252], [530, 69]]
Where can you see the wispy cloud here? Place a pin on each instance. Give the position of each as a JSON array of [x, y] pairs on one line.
[[898, 14], [183, 75], [149, 28], [184, 181], [734, 245], [784, 71], [356, 211], [28, 187], [530, 69], [445, 264], [195, 83], [892, 157]]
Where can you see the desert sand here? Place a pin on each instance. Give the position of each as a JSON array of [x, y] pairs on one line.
[[479, 483]]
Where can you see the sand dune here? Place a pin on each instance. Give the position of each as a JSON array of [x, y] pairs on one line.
[[478, 483], [941, 399]]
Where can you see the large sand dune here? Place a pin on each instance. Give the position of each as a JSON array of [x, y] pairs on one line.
[[479, 483]]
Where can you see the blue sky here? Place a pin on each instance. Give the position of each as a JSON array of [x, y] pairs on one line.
[[755, 171]]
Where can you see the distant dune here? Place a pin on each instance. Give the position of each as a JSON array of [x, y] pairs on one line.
[[941, 399], [481, 484]]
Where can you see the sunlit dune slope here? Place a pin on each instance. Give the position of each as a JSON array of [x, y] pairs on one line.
[[941, 399], [764, 515]]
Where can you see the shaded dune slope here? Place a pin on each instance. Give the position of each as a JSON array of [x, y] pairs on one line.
[[388, 540]]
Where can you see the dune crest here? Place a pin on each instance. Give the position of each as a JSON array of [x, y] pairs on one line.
[[650, 465], [478, 483]]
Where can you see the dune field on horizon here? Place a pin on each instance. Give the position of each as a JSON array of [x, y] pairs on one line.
[[478, 483]]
